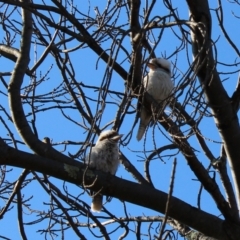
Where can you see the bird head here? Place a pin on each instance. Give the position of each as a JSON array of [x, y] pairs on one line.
[[160, 64], [110, 135]]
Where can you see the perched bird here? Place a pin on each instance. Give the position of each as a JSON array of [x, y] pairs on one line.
[[47, 141], [48, 146], [159, 85], [104, 156]]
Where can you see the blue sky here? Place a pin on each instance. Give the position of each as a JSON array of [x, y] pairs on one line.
[[55, 126]]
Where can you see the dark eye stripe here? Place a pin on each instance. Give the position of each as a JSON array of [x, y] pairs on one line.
[[156, 63], [165, 69], [109, 135]]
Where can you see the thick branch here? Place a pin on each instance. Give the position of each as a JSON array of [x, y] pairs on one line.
[[136, 60], [224, 115], [139, 194], [209, 184], [15, 102]]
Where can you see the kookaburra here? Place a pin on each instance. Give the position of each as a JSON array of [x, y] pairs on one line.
[[159, 85], [104, 156]]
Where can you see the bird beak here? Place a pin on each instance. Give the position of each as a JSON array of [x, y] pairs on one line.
[[116, 138], [151, 66]]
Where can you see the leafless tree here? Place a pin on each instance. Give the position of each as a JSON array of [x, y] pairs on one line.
[[70, 69]]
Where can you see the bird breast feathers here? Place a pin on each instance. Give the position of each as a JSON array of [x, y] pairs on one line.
[[103, 159], [158, 84]]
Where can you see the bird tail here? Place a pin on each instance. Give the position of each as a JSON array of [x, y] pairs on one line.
[[96, 205], [145, 118], [141, 130]]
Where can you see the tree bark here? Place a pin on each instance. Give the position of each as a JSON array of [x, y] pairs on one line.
[[142, 195]]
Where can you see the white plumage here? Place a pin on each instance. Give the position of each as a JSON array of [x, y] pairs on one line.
[[104, 156], [159, 85]]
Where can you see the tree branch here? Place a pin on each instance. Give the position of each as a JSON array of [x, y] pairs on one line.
[[139, 194], [224, 114]]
